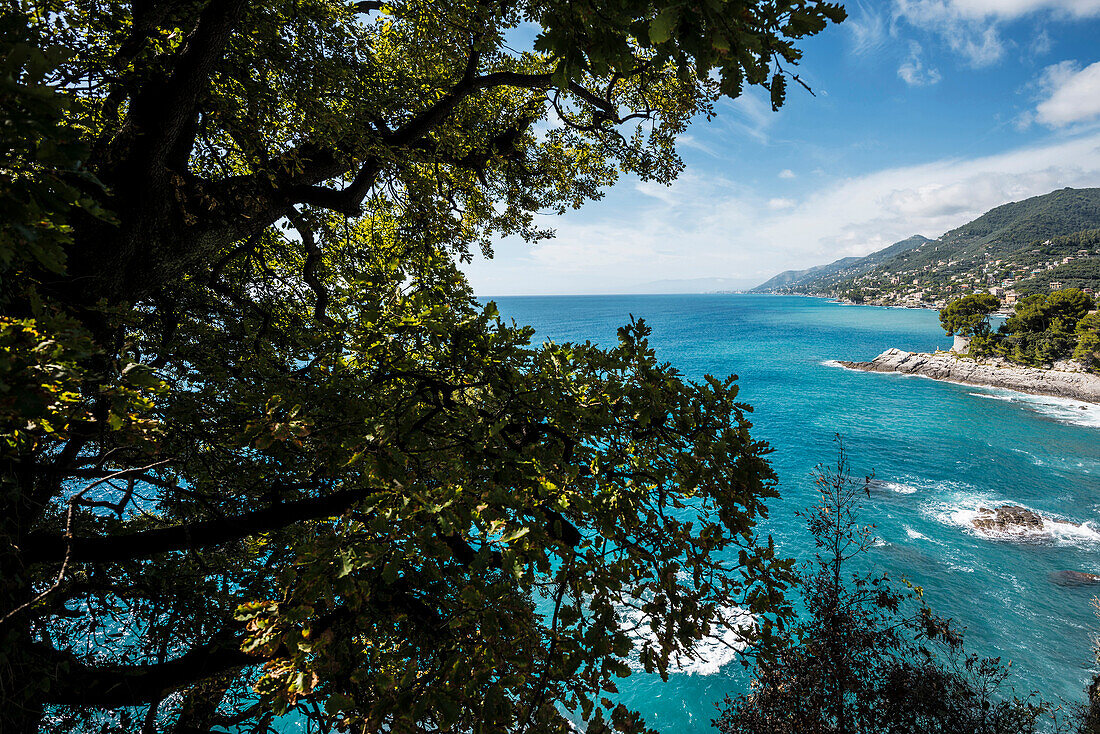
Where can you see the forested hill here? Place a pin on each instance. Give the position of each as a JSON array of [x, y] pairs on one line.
[[1025, 246], [1010, 230], [823, 276], [796, 279]]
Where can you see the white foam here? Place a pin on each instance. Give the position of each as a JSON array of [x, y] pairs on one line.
[[709, 655], [1063, 410], [989, 396], [911, 484], [914, 534], [1055, 530]]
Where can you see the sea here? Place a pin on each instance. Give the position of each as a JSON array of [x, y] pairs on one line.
[[938, 451]]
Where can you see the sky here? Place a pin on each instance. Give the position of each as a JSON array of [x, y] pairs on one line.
[[927, 113]]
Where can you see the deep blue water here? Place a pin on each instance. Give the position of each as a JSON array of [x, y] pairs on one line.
[[941, 449]]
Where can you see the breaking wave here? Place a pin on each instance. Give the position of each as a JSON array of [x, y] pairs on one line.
[[710, 654], [1063, 410], [1058, 531]]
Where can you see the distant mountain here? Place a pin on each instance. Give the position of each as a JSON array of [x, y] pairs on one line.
[[822, 277], [1035, 245], [695, 285], [1016, 231], [1016, 247], [792, 279]]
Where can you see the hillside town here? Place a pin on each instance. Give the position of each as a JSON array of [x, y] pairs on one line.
[[933, 287]]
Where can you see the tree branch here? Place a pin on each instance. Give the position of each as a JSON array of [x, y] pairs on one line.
[[129, 685], [309, 269], [163, 114], [49, 548]]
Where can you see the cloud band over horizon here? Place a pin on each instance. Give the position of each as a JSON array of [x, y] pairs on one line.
[[712, 227]]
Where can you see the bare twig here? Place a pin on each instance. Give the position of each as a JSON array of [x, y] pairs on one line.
[[68, 535]]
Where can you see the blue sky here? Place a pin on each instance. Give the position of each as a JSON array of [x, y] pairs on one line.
[[928, 113]]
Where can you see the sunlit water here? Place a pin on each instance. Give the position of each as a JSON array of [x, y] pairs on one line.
[[939, 450]]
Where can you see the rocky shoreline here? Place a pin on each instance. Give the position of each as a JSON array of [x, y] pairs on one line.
[[997, 372]]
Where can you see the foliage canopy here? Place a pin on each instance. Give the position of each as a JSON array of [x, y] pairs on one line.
[[969, 315], [1087, 350], [1043, 327], [260, 448]]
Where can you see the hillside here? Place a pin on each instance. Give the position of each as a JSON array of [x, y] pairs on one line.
[[1083, 273], [1010, 231], [824, 276], [790, 279], [1033, 245]]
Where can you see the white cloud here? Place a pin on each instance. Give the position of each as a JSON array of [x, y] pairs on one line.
[[750, 113], [1010, 9], [913, 71], [787, 173], [868, 28], [690, 141], [716, 228], [657, 191], [1071, 94], [972, 27], [972, 36], [1041, 45]]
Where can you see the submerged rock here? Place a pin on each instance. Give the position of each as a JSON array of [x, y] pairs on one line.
[[1074, 578], [1008, 519]]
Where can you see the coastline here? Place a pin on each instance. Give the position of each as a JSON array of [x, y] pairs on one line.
[[949, 367], [845, 302], [1002, 312]]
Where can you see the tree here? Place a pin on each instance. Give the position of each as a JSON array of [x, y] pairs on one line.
[[264, 452], [1042, 328], [860, 661], [969, 315], [1087, 350]]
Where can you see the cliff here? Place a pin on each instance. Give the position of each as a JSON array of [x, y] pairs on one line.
[[1060, 383]]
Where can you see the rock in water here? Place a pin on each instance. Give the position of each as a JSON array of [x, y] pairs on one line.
[[1074, 578], [1069, 382], [1008, 519]]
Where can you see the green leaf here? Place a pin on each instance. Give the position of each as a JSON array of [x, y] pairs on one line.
[[660, 29], [140, 375]]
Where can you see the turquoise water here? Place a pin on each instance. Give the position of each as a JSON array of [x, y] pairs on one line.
[[940, 449]]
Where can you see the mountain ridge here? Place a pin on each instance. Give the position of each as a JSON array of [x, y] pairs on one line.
[[846, 266], [1019, 243]]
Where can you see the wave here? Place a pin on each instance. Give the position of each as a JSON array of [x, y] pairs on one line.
[[1058, 531], [709, 655], [914, 534], [1062, 410], [896, 487], [989, 396], [914, 484]]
